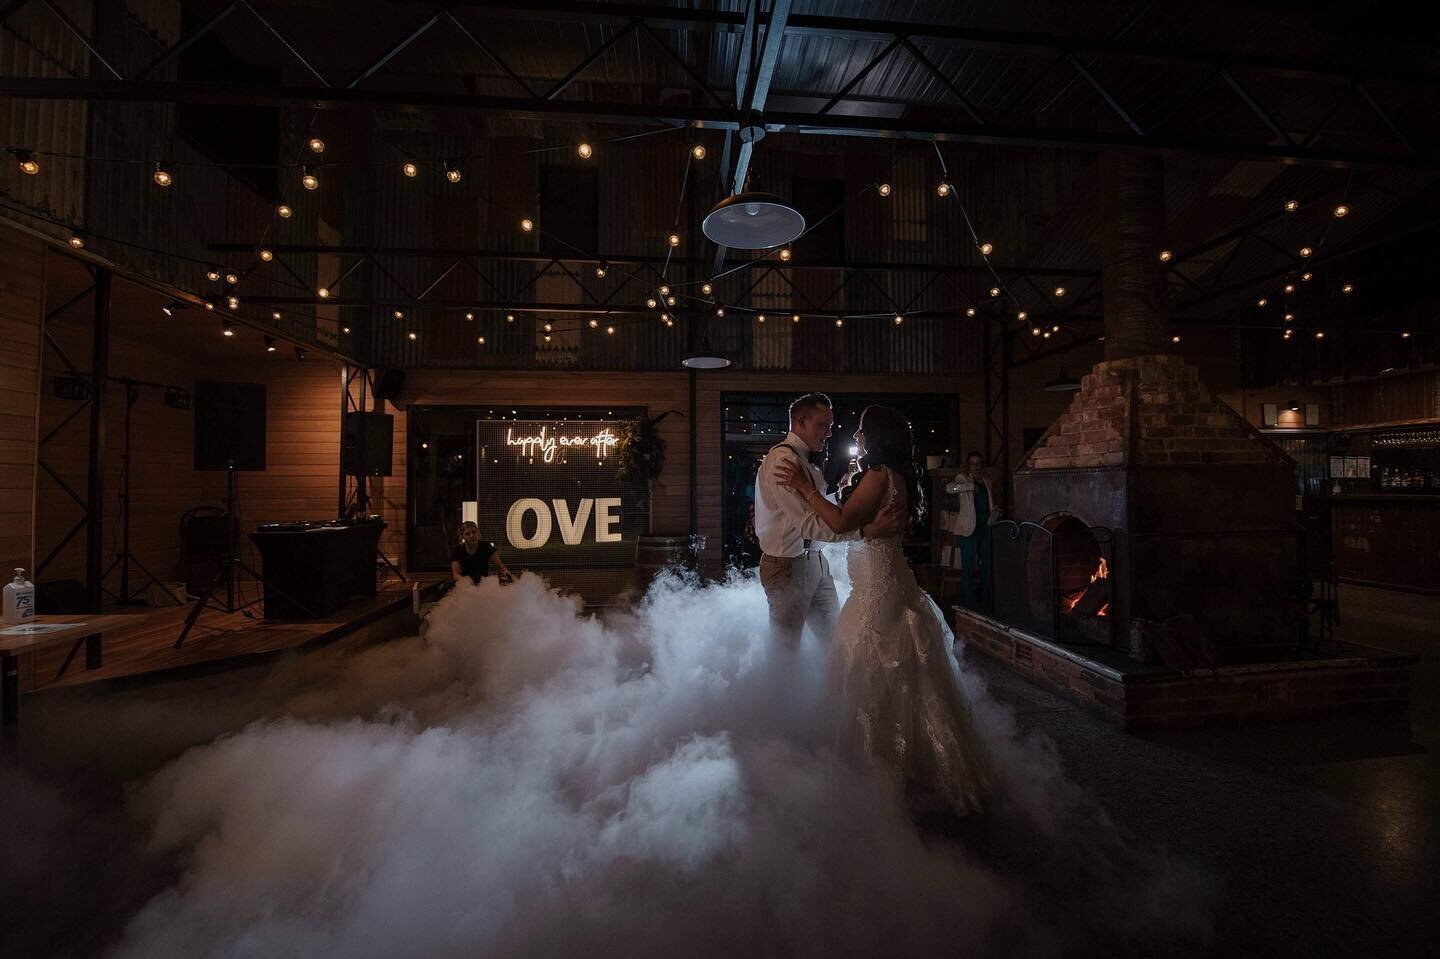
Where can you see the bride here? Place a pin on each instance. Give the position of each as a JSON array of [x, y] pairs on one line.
[[901, 706]]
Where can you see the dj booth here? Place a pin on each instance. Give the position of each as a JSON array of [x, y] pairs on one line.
[[312, 569]]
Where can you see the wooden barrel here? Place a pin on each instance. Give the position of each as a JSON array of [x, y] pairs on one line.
[[654, 553]]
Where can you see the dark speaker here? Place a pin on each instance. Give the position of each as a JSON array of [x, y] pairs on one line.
[[229, 425], [389, 383], [368, 438]]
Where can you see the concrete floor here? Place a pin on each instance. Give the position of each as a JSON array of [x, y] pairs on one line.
[[1321, 838]]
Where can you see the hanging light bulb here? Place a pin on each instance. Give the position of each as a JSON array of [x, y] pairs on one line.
[[609, 331], [673, 239], [706, 289], [398, 314], [308, 179], [651, 302], [601, 270], [785, 253], [1289, 317], [412, 335], [1059, 291], [1291, 206], [480, 340], [453, 172], [719, 311], [839, 321], [324, 292], [231, 278], [1405, 335], [698, 152], [469, 315], [548, 328], [207, 304], [267, 255], [665, 318], [1045, 335], [1348, 288], [585, 150], [1262, 302], [212, 275], [1341, 210], [669, 301], [970, 311], [794, 317], [227, 328], [76, 242], [1022, 316], [509, 317], [943, 189], [986, 249], [162, 175], [1306, 251], [409, 168], [1289, 287], [547, 337], [1306, 277], [316, 145], [1055, 328], [270, 346], [527, 224], [284, 211], [994, 291], [664, 290], [899, 318], [883, 189], [1319, 334], [760, 318], [1036, 331], [275, 315], [28, 164], [233, 301], [594, 324], [1166, 256]]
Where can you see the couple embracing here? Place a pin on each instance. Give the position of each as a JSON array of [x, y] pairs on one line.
[[895, 678]]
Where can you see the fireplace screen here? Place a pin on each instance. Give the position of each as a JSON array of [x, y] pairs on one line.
[[1054, 578]]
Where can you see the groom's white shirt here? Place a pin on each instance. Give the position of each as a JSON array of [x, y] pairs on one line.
[[782, 520]]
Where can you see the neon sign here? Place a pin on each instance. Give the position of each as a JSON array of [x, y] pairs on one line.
[[547, 445]]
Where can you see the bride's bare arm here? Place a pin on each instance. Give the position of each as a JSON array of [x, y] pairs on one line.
[[858, 510]]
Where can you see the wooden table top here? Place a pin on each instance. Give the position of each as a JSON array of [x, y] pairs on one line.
[[45, 630]]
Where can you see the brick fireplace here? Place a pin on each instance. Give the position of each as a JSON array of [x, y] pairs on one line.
[[1198, 507]]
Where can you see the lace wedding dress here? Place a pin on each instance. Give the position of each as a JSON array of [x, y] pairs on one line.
[[899, 696]]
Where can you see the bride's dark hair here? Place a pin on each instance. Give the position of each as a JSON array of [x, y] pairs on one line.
[[889, 442]]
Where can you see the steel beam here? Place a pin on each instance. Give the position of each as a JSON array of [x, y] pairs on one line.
[[95, 494]]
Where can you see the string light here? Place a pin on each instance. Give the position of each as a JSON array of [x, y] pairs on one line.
[[1289, 317], [1405, 335], [673, 239], [398, 314], [1059, 291], [212, 275], [270, 346], [585, 150], [1262, 302], [719, 311], [970, 311], [547, 337], [760, 318], [651, 302], [1341, 211], [527, 224], [942, 189], [794, 317], [1348, 288], [207, 304], [412, 335], [664, 290], [480, 340], [162, 175], [994, 291], [899, 318], [1289, 287], [594, 324], [706, 289], [1022, 316], [785, 253], [665, 318], [883, 189], [316, 145], [1306, 251], [27, 161], [839, 321], [266, 255], [986, 249], [1319, 334], [233, 301], [308, 179], [1306, 277], [409, 168], [1166, 256], [1174, 339], [1045, 335], [275, 315], [345, 330], [1288, 334], [284, 211], [1291, 206], [469, 316], [548, 328], [609, 331], [452, 172], [601, 270], [227, 328], [509, 317], [669, 301], [324, 292], [1055, 328], [698, 152], [231, 278], [77, 242], [1036, 331]]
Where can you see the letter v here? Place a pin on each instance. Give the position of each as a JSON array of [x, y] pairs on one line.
[[570, 531]]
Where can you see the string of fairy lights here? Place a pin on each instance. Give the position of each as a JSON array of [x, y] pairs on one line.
[[668, 297]]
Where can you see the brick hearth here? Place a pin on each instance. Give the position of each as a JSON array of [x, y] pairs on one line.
[[1137, 696]]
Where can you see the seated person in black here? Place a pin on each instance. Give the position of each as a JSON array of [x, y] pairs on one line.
[[472, 557]]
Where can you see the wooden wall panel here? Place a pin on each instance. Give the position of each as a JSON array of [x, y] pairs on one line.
[[22, 296]]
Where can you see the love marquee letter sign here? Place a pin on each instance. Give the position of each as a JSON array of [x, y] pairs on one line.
[[547, 493]]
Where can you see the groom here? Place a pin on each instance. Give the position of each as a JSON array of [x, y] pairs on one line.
[[793, 571]]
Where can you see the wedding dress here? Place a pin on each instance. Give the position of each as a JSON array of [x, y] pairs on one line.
[[897, 684]]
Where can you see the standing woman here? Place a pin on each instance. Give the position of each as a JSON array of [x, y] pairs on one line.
[[472, 557], [971, 526]]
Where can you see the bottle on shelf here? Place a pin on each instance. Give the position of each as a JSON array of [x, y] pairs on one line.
[[19, 601]]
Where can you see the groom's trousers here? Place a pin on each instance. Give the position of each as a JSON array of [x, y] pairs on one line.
[[800, 591]]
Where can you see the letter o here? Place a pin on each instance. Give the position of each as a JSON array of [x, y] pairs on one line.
[[514, 523]]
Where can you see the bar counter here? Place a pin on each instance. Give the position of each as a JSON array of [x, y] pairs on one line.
[[1388, 539]]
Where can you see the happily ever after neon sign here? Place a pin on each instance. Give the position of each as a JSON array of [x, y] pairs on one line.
[[548, 445]]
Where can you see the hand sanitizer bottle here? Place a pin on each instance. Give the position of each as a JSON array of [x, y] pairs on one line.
[[19, 599]]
